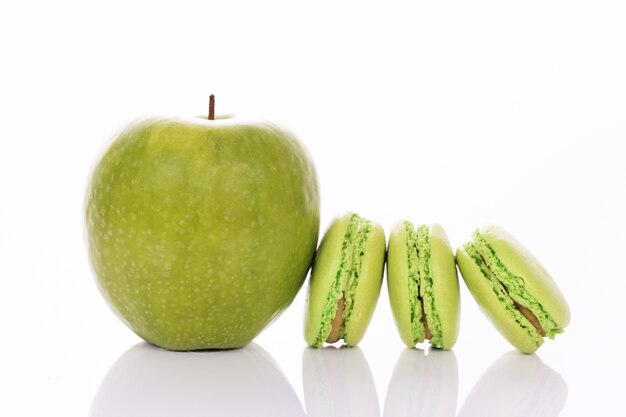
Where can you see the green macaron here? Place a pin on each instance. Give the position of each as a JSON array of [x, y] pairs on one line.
[[423, 285], [345, 281], [512, 288]]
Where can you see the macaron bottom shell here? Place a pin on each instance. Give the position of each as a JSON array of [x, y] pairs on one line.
[[497, 306]]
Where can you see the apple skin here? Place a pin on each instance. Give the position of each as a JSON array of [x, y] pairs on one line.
[[201, 232]]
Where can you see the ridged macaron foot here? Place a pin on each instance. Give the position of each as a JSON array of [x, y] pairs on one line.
[[423, 285], [512, 288], [345, 281]]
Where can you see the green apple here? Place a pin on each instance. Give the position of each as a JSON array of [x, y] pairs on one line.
[[200, 232]]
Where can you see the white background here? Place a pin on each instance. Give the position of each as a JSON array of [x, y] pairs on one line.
[[461, 113]]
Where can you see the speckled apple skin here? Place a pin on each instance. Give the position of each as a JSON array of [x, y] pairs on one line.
[[201, 232]]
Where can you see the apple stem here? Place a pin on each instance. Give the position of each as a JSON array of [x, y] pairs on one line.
[[212, 107]]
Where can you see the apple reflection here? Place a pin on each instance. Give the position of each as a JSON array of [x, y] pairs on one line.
[[338, 382], [423, 384], [517, 385], [149, 381]]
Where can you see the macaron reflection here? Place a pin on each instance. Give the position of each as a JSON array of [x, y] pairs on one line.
[[338, 382], [517, 385], [423, 385], [149, 381]]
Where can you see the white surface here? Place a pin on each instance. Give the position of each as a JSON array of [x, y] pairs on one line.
[[461, 113]]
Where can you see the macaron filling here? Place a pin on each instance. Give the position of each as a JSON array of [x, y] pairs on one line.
[[338, 307], [337, 324], [511, 291], [425, 322]]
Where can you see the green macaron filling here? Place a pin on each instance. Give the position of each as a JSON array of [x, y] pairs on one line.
[[423, 309], [347, 277], [417, 326], [510, 290]]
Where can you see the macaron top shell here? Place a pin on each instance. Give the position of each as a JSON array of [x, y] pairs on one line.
[[348, 267], [423, 284], [522, 263], [367, 292], [326, 264], [445, 285], [400, 295]]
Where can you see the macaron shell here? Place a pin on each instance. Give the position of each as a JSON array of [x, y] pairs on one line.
[[445, 285], [323, 274], [496, 312], [368, 286], [521, 262], [398, 283]]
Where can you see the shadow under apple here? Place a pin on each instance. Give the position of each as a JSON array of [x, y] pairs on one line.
[[149, 381]]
